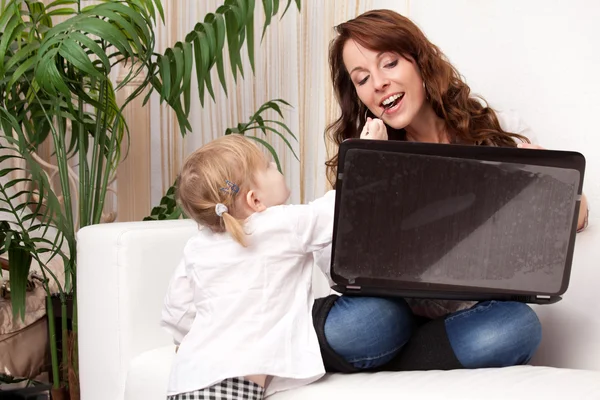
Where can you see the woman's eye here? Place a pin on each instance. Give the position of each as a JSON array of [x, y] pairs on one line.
[[363, 81], [392, 64]]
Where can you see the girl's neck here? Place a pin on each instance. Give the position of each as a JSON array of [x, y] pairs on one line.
[[240, 210], [427, 127], [244, 212]]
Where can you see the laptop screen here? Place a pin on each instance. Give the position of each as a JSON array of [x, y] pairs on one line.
[[423, 219]]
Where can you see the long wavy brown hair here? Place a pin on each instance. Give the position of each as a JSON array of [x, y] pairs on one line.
[[468, 118]]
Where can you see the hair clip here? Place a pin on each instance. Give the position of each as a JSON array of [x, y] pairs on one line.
[[231, 187]]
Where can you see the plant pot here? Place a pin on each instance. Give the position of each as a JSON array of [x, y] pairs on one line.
[[60, 394], [36, 392]]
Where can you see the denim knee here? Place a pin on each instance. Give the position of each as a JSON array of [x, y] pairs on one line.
[[494, 334], [368, 331]]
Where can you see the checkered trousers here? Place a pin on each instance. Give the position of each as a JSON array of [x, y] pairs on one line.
[[229, 389]]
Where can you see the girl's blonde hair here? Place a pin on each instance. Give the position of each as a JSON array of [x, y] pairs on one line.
[[219, 172]]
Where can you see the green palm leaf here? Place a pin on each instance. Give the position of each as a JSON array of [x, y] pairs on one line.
[[28, 216], [269, 148], [70, 45], [168, 207], [19, 263], [58, 3], [231, 23]]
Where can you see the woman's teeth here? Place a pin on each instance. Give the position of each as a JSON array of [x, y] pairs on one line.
[[391, 101]]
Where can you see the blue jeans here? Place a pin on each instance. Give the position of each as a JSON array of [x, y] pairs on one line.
[[369, 331]]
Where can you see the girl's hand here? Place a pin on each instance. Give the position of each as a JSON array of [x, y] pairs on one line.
[[530, 146], [374, 129]]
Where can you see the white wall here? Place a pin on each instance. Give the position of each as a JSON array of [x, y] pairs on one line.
[[542, 59], [537, 57]]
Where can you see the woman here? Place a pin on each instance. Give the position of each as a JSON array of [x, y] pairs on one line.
[[392, 83]]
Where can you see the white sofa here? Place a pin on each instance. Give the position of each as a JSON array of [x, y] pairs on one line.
[[123, 270]]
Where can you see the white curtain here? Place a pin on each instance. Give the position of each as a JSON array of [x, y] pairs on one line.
[[290, 63]]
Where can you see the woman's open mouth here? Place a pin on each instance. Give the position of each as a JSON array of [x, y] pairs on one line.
[[390, 104]]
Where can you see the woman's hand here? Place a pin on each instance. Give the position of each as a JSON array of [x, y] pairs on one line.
[[374, 129], [582, 219]]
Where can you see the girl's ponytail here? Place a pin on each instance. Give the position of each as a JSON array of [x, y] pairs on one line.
[[234, 227], [214, 181]]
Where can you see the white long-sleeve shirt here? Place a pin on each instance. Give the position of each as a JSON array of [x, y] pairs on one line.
[[248, 311]]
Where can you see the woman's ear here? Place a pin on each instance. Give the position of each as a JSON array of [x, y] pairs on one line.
[[253, 201]]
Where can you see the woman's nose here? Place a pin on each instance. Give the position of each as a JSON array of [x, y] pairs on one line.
[[380, 81]]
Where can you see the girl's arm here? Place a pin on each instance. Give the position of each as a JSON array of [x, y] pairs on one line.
[[314, 223], [178, 311]]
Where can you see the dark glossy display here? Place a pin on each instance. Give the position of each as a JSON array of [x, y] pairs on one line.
[[449, 221]]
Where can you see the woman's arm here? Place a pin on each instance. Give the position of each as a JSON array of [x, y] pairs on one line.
[[584, 213]]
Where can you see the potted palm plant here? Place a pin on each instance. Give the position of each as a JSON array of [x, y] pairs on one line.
[[55, 88]]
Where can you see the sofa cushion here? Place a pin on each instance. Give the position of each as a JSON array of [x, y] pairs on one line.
[[571, 329], [149, 373]]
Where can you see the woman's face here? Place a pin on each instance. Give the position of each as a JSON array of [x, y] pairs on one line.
[[386, 83]]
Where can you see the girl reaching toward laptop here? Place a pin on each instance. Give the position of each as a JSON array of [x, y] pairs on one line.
[[239, 304]]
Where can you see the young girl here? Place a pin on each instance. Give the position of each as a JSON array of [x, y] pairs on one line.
[[240, 302]]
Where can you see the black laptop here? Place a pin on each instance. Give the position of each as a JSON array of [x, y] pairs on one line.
[[455, 222]]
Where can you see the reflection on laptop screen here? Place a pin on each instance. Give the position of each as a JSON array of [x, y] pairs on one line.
[[421, 218]]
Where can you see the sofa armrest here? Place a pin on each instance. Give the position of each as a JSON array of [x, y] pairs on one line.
[[122, 276]]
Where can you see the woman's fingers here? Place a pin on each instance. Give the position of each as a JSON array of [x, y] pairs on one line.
[[364, 134], [382, 129], [374, 129]]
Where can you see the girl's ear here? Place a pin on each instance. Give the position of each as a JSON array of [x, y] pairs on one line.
[[254, 202]]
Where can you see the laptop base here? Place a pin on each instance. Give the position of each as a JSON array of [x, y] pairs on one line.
[[441, 295]]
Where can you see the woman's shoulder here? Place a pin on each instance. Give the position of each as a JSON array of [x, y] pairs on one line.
[[511, 121]]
